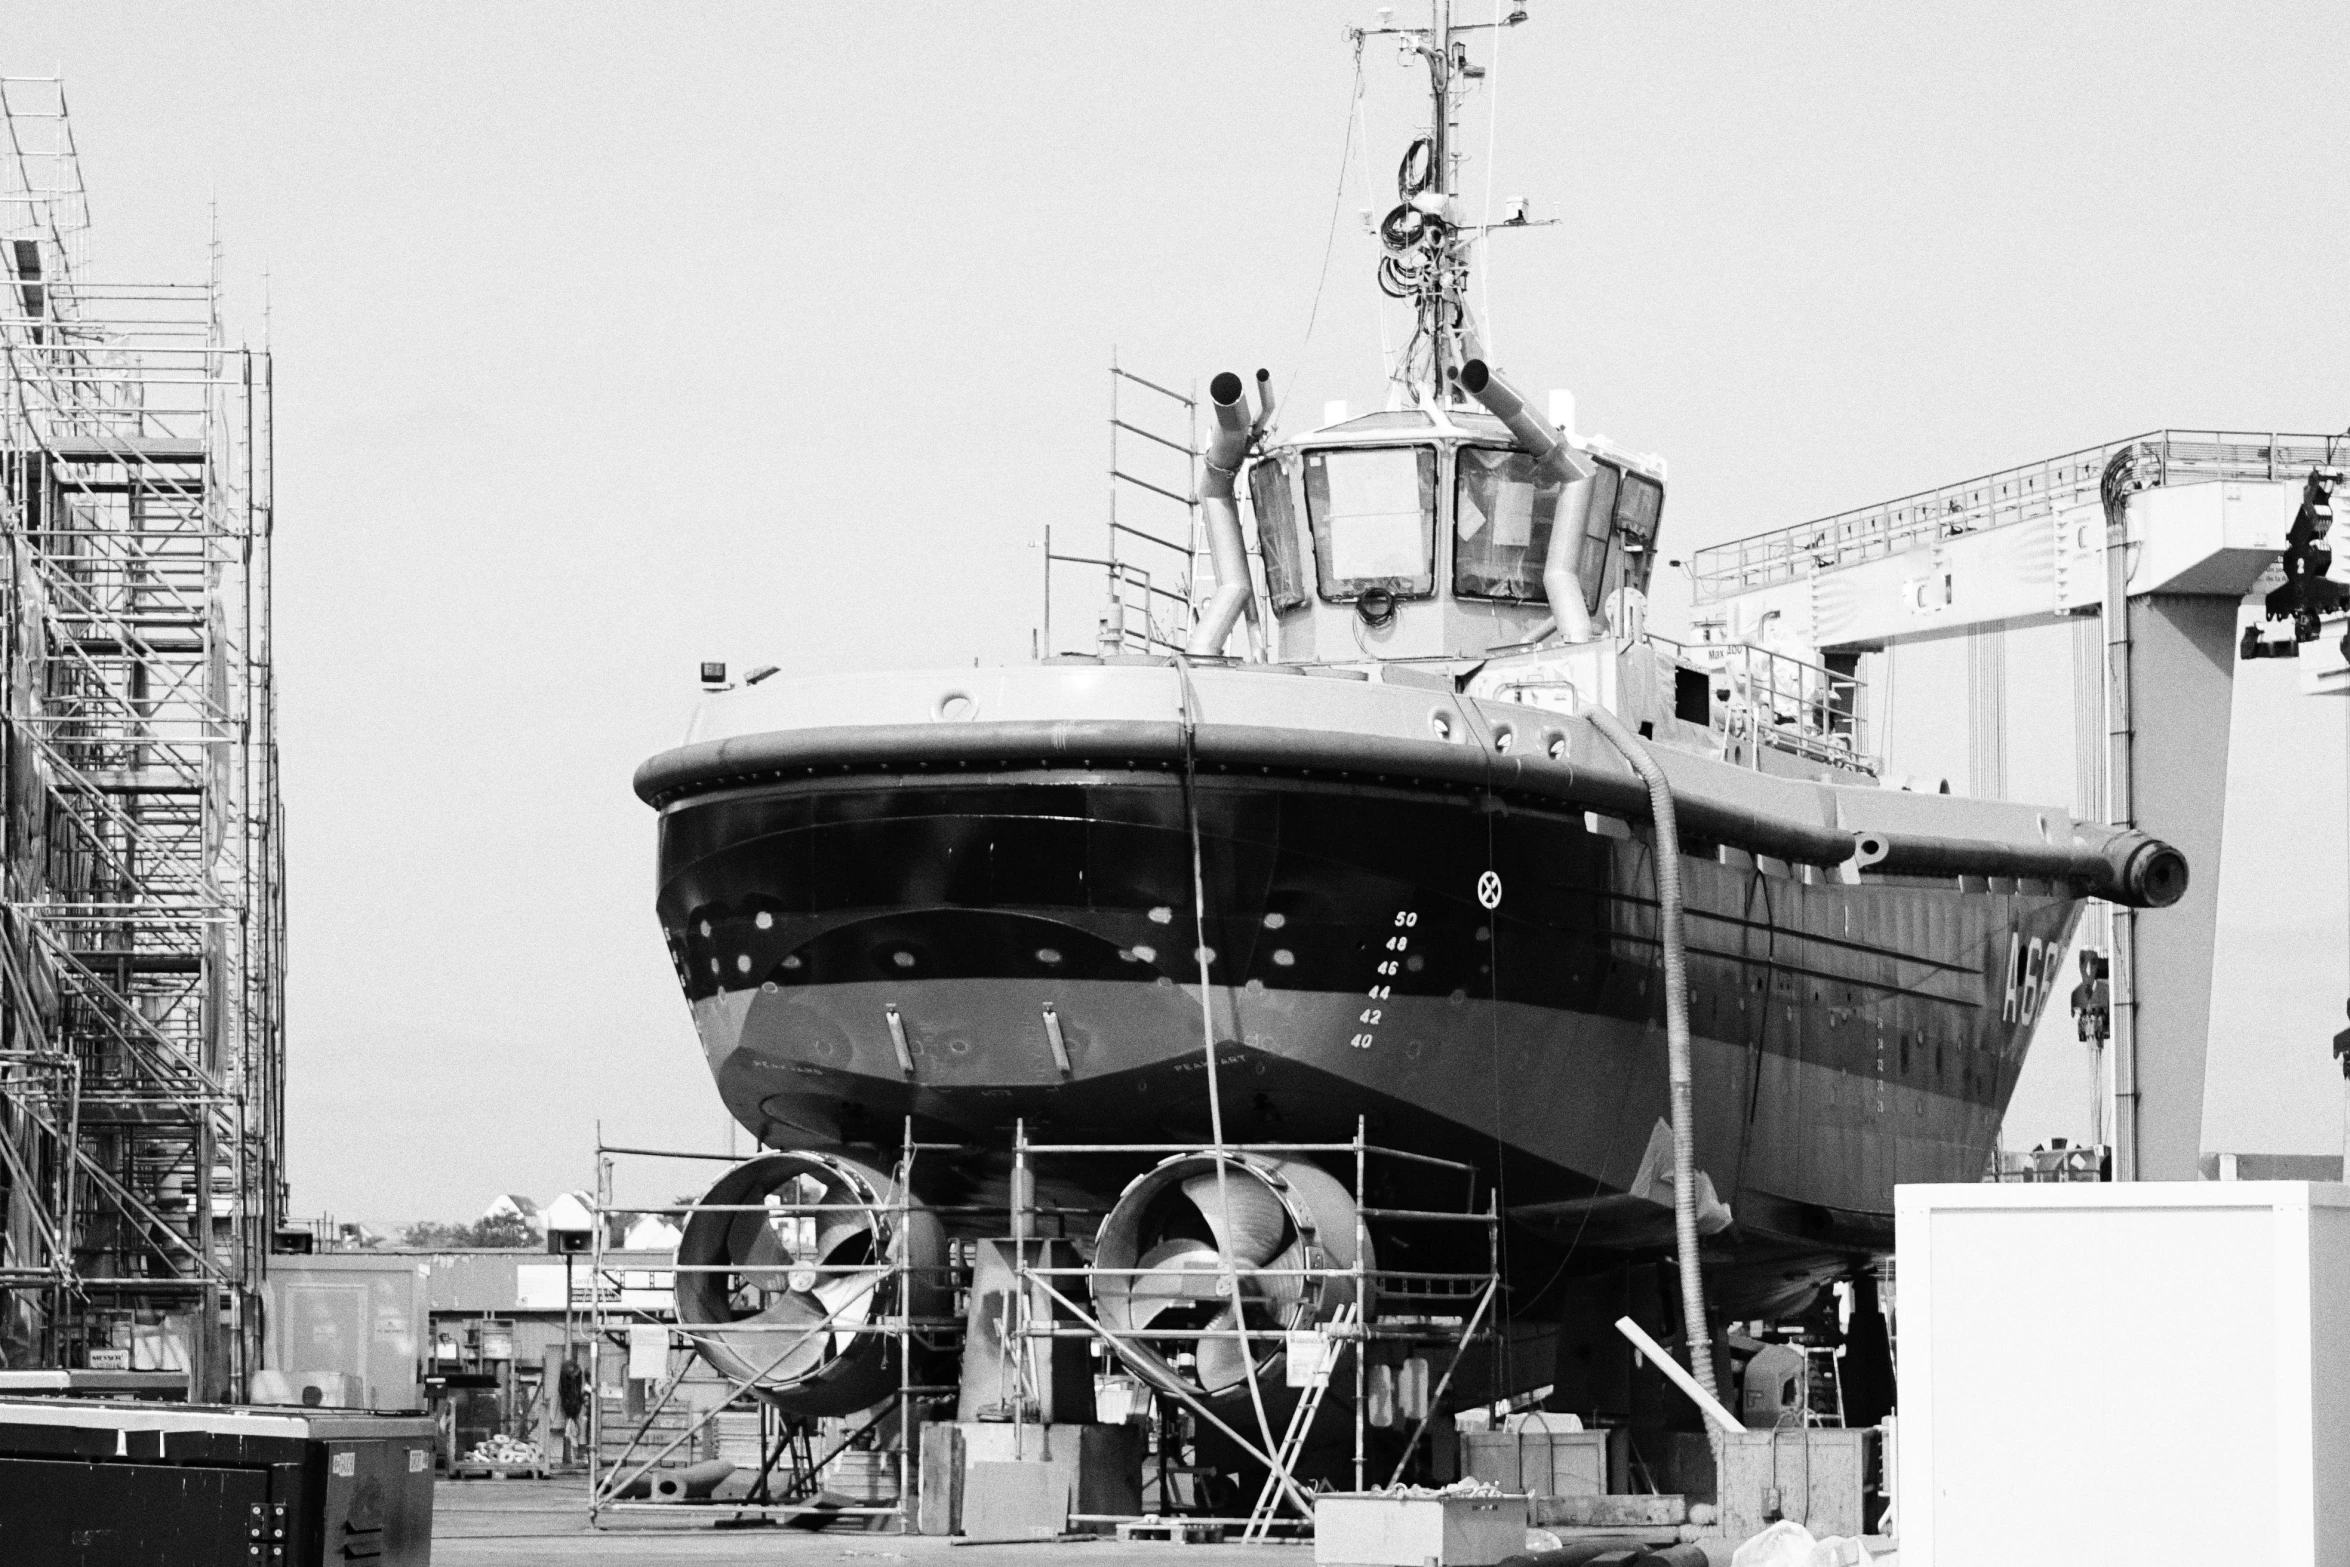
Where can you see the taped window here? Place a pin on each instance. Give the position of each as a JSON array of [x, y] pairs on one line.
[[1269, 498], [1373, 512], [1503, 509]]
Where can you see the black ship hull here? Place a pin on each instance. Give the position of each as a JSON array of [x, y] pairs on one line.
[[865, 951]]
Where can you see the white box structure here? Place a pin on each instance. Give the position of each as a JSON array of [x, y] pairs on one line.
[[2145, 1372], [1355, 1529]]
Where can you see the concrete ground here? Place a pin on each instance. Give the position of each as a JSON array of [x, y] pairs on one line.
[[542, 1523]]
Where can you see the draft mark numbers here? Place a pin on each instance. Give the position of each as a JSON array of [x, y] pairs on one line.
[[1398, 942]]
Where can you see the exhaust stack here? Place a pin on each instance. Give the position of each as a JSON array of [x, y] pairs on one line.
[[1562, 572], [1220, 506]]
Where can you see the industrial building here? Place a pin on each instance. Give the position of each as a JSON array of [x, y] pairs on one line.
[[2110, 632], [474, 1337]]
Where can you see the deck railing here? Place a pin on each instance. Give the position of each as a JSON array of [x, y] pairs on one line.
[[1999, 500], [1787, 703]]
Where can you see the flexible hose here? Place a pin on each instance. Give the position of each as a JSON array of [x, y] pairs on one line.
[[1676, 949]]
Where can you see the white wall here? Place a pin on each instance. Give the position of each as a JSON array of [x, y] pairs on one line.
[[2281, 963], [1928, 701], [2281, 969]]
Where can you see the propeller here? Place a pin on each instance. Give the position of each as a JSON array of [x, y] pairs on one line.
[[1253, 1228], [794, 1259], [1189, 1250], [792, 1273]]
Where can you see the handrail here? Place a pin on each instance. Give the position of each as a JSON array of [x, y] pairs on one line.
[[1998, 500]]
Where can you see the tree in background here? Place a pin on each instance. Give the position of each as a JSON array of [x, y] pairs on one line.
[[503, 1232]]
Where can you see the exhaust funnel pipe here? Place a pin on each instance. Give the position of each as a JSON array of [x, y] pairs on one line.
[[1264, 419], [1220, 507], [1562, 573]]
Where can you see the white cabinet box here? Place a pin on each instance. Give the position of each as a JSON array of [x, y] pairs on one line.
[[1365, 1529], [2148, 1372]]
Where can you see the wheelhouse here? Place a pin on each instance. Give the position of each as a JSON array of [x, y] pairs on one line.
[[1409, 534]]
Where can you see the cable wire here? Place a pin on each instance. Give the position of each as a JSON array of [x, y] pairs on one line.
[[1188, 698], [1330, 242], [1363, 170]]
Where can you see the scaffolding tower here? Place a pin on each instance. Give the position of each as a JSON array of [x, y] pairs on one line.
[[142, 905]]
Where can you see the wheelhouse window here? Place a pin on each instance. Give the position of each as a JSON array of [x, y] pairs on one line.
[[1639, 506], [1503, 508], [1373, 512], [1619, 524], [1598, 524], [1268, 494]]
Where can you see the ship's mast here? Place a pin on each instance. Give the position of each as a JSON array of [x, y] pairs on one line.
[[1425, 237], [1449, 287]]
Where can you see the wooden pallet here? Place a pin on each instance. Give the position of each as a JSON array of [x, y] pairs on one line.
[[497, 1471], [1171, 1531]]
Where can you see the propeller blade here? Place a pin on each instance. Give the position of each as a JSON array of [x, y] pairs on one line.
[[1275, 1289], [785, 1353], [1221, 1361], [847, 1298], [1190, 1272], [1255, 1224], [838, 1230], [753, 1247]]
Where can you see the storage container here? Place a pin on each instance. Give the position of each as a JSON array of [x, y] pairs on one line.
[[1357, 1529], [2140, 1372], [1540, 1462], [132, 1485]]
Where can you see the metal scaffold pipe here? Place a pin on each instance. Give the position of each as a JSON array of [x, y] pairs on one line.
[[2120, 810], [142, 849]]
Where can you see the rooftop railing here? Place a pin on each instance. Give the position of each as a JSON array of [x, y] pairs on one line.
[[2000, 500]]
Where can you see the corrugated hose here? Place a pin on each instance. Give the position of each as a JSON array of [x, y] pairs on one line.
[[1674, 939]]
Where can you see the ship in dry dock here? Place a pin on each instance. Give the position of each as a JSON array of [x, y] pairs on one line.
[[1392, 849]]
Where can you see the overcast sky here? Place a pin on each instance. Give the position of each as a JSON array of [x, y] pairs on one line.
[[611, 338]]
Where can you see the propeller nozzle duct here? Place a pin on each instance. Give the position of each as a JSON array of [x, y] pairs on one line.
[[1161, 1264], [811, 1254]]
